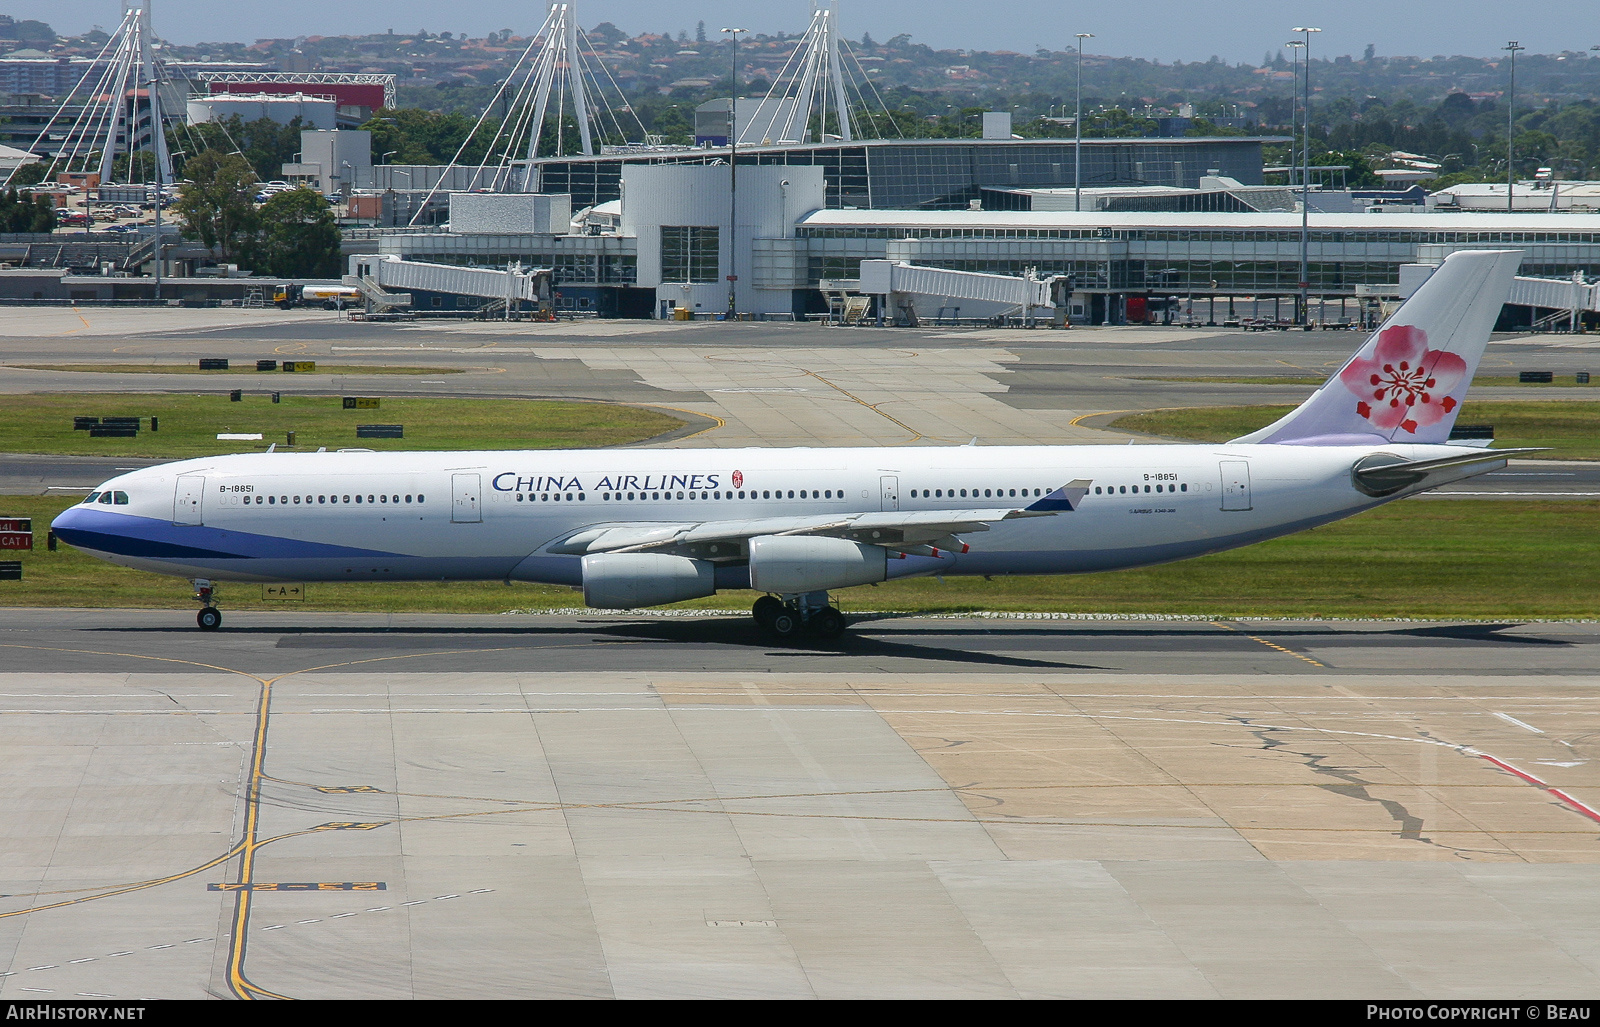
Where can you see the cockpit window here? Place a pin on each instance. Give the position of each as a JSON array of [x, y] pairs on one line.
[[122, 498], [105, 498], [91, 497]]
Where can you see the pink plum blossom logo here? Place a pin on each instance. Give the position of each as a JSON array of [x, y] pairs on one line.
[[738, 479], [1404, 384]]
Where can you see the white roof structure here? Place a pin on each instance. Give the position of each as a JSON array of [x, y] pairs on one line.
[[1065, 220], [1528, 196], [11, 157]]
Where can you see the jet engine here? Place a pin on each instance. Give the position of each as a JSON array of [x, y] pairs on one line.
[[623, 581], [789, 564]]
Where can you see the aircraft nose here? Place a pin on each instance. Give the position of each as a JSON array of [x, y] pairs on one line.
[[71, 523], [69, 518]]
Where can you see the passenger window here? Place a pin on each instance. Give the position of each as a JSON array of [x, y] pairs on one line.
[[297, 500], [1183, 488], [408, 499], [383, 499], [420, 497]]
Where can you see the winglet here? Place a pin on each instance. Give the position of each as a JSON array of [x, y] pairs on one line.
[[1067, 497]]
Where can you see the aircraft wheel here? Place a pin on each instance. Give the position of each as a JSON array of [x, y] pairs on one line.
[[764, 610], [827, 623], [209, 619], [785, 623]]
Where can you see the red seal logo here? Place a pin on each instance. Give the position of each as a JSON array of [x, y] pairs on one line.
[[738, 479]]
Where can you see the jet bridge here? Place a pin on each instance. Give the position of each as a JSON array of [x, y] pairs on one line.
[[381, 277], [1568, 298], [903, 286]]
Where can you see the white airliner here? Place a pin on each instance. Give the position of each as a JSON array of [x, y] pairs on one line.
[[637, 528]]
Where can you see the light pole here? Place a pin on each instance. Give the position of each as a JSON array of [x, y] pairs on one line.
[[1511, 99], [1077, 131], [733, 175], [1295, 46], [1305, 190]]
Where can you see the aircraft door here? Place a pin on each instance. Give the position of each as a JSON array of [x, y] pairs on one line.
[[889, 484], [188, 499], [1235, 485], [465, 508]]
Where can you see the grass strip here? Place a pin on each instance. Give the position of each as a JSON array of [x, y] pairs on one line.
[[189, 424], [1569, 428], [1468, 559]]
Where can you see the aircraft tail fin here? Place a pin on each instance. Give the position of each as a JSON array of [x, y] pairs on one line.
[[1407, 382]]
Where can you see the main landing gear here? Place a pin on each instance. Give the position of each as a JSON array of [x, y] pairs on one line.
[[209, 618], [787, 616]]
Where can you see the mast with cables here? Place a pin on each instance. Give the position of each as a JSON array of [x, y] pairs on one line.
[[559, 66], [821, 73], [120, 110]]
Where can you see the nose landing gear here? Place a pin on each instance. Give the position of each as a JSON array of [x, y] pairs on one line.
[[209, 618], [786, 616]]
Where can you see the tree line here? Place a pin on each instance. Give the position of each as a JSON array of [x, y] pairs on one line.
[[294, 234]]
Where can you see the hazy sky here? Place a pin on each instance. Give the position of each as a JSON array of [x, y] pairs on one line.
[[1236, 30]]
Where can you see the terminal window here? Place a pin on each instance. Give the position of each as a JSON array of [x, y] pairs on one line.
[[689, 254]]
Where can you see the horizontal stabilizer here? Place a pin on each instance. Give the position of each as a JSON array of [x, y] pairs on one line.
[[1383, 474]]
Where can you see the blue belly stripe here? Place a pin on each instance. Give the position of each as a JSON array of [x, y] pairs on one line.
[[127, 535]]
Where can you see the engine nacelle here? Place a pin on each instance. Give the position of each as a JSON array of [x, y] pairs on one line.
[[812, 563], [623, 581]]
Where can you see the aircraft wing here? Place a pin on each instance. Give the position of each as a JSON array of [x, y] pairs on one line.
[[894, 529]]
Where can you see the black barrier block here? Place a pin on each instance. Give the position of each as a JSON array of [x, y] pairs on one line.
[[113, 431], [120, 422], [275, 397], [10, 570], [1536, 377], [236, 396], [380, 431], [213, 363], [84, 423], [266, 365], [1472, 431]]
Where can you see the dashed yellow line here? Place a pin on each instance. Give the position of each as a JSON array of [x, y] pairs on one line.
[[1270, 645]]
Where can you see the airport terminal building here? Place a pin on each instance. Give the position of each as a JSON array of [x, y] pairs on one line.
[[665, 244]]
